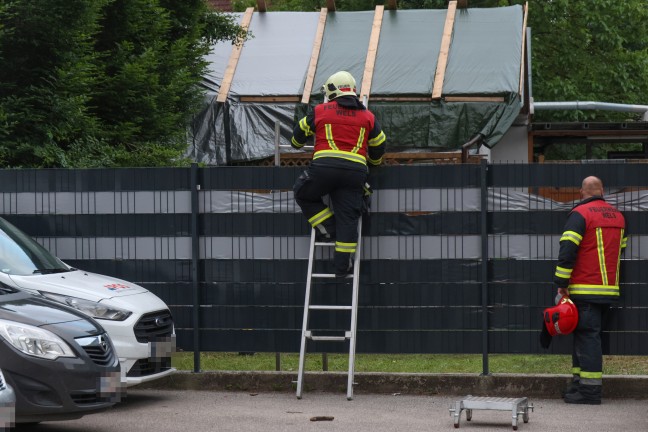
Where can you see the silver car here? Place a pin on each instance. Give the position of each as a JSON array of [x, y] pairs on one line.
[[7, 405]]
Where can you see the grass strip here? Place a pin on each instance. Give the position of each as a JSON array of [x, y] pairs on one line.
[[408, 363]]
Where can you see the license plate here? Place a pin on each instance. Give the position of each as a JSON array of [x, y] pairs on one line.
[[162, 348], [111, 387]]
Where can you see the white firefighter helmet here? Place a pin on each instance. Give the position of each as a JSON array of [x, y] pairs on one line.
[[339, 84]]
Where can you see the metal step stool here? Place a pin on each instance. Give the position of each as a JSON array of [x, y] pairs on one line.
[[517, 406]]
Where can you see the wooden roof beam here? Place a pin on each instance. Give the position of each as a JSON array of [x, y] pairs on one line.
[[522, 57], [372, 51], [312, 67], [442, 62], [228, 77]]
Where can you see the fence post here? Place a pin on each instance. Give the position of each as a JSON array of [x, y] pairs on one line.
[[484, 264], [195, 259]]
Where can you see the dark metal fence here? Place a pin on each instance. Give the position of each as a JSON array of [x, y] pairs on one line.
[[456, 258]]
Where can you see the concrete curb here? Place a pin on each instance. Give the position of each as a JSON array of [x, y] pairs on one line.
[[510, 385]]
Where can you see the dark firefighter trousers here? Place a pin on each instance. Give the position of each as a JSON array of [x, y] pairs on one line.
[[587, 356], [345, 190]]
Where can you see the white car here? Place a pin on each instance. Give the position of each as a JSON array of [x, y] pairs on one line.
[[138, 322]]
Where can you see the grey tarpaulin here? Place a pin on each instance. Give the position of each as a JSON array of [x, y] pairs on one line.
[[484, 60]]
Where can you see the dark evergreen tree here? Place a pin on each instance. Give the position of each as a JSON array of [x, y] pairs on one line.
[[47, 79], [92, 83]]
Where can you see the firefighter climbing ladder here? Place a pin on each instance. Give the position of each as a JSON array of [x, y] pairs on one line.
[[350, 334]]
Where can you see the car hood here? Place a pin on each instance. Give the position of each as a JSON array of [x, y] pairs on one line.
[[40, 312], [78, 283]]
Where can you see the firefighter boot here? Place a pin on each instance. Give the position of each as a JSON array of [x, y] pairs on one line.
[[571, 388], [585, 395], [343, 263]]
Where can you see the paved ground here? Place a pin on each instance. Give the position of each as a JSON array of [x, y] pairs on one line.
[[189, 410]]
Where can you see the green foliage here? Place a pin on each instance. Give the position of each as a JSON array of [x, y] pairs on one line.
[[589, 50], [89, 83], [47, 77], [241, 5]]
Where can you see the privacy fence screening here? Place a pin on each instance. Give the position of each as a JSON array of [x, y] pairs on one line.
[[456, 258]]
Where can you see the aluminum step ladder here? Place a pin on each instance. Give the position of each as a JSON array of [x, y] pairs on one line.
[[350, 334]]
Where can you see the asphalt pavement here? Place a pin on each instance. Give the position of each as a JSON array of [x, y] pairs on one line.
[[270, 411]]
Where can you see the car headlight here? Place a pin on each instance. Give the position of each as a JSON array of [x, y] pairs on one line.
[[94, 309], [35, 341]]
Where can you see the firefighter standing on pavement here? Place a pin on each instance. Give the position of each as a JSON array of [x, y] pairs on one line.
[[588, 271], [348, 138]]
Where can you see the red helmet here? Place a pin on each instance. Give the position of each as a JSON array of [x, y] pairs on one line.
[[561, 319]]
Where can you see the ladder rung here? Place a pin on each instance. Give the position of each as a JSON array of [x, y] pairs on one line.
[[328, 338], [309, 335], [329, 307], [323, 275], [331, 276], [325, 244]]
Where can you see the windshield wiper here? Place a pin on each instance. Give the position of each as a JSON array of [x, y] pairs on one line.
[[50, 271]]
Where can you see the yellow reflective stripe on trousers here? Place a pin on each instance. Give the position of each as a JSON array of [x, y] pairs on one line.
[[345, 247], [600, 248], [599, 290], [575, 370], [320, 217], [594, 375], [342, 155], [591, 378], [572, 236], [329, 136]]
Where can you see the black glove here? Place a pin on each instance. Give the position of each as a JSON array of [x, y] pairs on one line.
[[366, 197], [545, 337]]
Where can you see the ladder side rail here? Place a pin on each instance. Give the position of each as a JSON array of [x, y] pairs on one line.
[[354, 311], [302, 349]]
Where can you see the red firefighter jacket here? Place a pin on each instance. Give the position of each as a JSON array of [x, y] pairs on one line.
[[590, 251], [345, 131]]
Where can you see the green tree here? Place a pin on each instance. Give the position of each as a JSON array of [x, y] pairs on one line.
[[152, 58], [46, 79], [589, 50], [90, 83]]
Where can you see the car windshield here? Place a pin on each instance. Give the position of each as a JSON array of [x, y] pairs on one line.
[[21, 255]]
